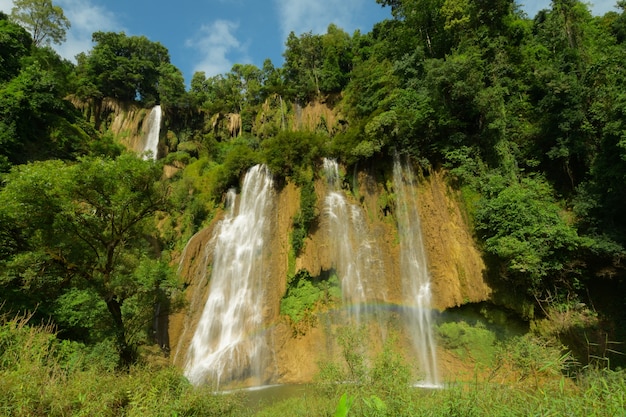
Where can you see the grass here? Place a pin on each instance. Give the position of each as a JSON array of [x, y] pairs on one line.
[[596, 393], [41, 375]]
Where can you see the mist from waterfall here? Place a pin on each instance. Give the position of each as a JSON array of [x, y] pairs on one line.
[[154, 130], [415, 277], [355, 256], [228, 343]]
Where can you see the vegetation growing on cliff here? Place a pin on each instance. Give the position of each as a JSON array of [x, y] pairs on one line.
[[527, 113]]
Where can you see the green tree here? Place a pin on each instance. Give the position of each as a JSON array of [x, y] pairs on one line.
[[223, 93], [303, 65], [45, 21], [288, 153], [36, 122], [424, 20], [565, 74], [171, 85], [337, 60], [80, 227], [523, 226], [272, 79], [15, 43], [198, 88], [247, 79], [125, 67]]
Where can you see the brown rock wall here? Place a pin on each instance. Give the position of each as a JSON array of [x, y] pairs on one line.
[[455, 264], [456, 267]]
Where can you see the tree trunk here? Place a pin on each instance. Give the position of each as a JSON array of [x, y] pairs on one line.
[[128, 354]]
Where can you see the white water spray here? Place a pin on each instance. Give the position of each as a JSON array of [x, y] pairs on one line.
[[228, 343], [355, 256], [415, 277], [154, 130]]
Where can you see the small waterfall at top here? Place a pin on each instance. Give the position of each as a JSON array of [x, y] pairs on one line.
[[228, 343], [414, 270], [355, 257], [154, 129]]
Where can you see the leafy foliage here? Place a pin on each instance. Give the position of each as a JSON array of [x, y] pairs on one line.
[[305, 216], [303, 295], [523, 226], [45, 21], [15, 44], [36, 122], [82, 231], [128, 68], [42, 375], [289, 153]]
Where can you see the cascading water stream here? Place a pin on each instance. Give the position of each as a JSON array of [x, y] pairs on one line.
[[154, 130], [415, 277], [228, 343], [355, 257]]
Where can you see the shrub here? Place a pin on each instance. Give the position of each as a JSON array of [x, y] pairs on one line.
[[305, 216], [289, 152]]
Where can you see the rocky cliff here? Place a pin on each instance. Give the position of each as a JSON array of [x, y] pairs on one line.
[[455, 265]]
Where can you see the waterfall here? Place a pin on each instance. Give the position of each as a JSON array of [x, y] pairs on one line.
[[152, 137], [228, 343], [355, 257], [414, 270]]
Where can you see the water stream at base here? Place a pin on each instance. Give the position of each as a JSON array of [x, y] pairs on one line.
[[229, 343], [415, 276], [150, 149]]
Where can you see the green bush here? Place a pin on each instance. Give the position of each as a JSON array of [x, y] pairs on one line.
[[305, 217], [301, 297], [41, 375], [522, 225], [304, 294], [469, 342], [289, 152]]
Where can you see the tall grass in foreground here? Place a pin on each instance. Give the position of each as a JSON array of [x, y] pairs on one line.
[[530, 374], [597, 393], [41, 375]]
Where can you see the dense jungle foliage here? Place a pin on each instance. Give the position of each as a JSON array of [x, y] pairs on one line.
[[527, 114]]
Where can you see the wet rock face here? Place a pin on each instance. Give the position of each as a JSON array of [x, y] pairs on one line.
[[455, 265]]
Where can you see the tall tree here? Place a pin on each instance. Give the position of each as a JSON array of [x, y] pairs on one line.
[[44, 20], [303, 64], [82, 229], [123, 67]]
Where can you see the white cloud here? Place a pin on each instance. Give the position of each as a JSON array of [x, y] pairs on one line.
[[86, 18], [302, 16], [6, 6], [216, 44], [598, 7]]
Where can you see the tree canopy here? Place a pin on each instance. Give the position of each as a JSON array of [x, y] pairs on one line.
[[81, 231], [127, 68], [45, 21]]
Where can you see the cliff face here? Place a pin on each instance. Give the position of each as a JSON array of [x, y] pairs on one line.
[[455, 265], [128, 122]]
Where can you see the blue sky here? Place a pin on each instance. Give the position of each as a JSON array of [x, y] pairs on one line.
[[212, 35]]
